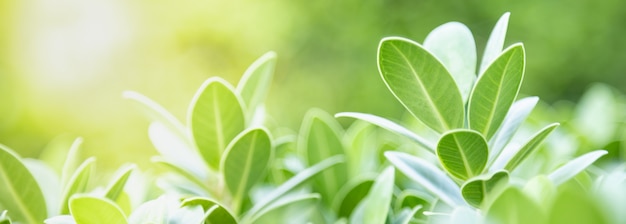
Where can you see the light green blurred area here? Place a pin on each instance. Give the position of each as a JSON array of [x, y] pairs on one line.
[[64, 64]]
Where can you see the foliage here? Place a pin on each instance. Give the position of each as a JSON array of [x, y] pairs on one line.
[[463, 156]]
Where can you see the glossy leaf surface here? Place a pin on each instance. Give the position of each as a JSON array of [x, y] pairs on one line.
[[463, 153], [453, 44], [215, 117], [496, 90], [421, 83], [19, 191]]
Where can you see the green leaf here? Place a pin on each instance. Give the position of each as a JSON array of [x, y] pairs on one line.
[[411, 198], [376, 205], [496, 90], [45, 176], [291, 184], [391, 126], [466, 215], [215, 118], [155, 111], [530, 146], [176, 149], [453, 44], [320, 139], [291, 209], [93, 210], [187, 214], [575, 166], [214, 211], [246, 160], [476, 189], [4, 219], [60, 219], [541, 190], [116, 187], [494, 45], [421, 83], [78, 183], [182, 172], [254, 85], [463, 153], [428, 176], [572, 207], [19, 192], [513, 207], [350, 195], [512, 121], [598, 99], [71, 161], [406, 215], [363, 144], [155, 211]]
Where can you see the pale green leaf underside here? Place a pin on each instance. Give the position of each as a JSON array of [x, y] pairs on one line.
[[453, 44], [93, 210], [575, 166], [378, 200], [283, 209], [178, 150], [512, 121], [427, 175], [320, 135], [463, 153], [245, 162], [495, 44], [116, 187], [476, 189], [48, 181], [291, 184], [215, 118], [19, 191], [71, 162], [155, 111], [391, 126], [215, 212], [421, 83], [78, 183], [530, 146], [255, 83], [496, 90]]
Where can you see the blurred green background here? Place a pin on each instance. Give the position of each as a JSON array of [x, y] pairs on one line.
[[64, 64]]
